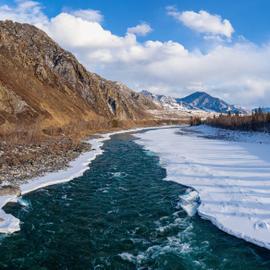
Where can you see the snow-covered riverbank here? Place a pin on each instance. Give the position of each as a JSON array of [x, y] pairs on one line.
[[10, 224], [231, 135], [232, 176], [77, 167]]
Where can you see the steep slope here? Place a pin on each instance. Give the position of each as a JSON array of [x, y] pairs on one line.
[[44, 86], [206, 102]]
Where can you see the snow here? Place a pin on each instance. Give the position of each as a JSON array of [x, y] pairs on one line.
[[10, 224], [227, 134], [170, 105], [76, 168], [231, 175]]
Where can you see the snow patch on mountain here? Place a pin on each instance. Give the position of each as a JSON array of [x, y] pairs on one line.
[[196, 102], [168, 102], [206, 102]]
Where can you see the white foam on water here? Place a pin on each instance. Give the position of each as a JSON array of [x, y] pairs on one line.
[[23, 202], [189, 201], [118, 174], [128, 257], [231, 177]]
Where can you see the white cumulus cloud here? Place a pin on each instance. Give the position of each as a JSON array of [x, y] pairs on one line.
[[238, 72], [24, 11], [203, 22], [141, 29], [89, 15]]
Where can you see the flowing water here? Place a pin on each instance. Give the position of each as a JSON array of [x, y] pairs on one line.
[[120, 214]]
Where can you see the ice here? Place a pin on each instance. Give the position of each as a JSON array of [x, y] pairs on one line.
[[9, 223], [241, 136], [231, 176]]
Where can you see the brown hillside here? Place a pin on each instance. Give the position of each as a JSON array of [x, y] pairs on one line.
[[44, 86]]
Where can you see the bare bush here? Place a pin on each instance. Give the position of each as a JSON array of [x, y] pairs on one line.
[[257, 121], [195, 121]]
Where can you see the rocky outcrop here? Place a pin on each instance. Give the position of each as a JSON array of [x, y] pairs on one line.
[[10, 190], [41, 84]]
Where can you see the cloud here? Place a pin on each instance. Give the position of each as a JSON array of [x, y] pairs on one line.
[[24, 11], [203, 22], [238, 72], [141, 29], [75, 32], [88, 15]]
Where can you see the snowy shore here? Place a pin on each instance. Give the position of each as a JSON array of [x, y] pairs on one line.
[[10, 224], [230, 170], [77, 167]]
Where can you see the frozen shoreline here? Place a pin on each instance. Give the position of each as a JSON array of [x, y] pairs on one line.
[[10, 224], [231, 176], [231, 135]]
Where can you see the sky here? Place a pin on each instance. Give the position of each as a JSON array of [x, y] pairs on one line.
[[171, 47]]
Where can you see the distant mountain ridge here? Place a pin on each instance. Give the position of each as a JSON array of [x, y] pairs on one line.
[[206, 102], [196, 101], [168, 102]]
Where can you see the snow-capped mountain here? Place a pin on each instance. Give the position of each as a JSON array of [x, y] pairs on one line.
[[209, 103], [198, 101], [168, 102]]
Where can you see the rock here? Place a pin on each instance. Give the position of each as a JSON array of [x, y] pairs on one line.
[[19, 163], [46, 84], [10, 190]]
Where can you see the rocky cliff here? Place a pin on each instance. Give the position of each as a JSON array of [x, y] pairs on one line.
[[43, 86]]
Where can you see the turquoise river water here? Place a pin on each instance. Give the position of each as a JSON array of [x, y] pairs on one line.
[[120, 214]]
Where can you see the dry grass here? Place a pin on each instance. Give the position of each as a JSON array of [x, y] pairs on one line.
[[194, 121], [34, 134], [26, 152], [21, 135]]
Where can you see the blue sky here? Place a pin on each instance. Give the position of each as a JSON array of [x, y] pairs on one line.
[[167, 46], [250, 18]]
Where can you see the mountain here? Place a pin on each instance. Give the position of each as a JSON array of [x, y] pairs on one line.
[[197, 103], [168, 102], [44, 87], [206, 102]]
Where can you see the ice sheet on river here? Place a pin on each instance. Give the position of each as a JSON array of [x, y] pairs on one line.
[[232, 177]]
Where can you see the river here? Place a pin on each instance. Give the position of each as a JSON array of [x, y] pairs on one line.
[[120, 214]]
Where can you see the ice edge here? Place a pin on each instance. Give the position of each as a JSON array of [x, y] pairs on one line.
[[11, 224], [200, 212]]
